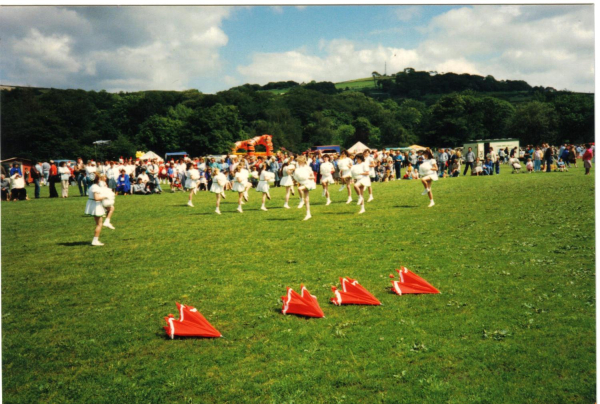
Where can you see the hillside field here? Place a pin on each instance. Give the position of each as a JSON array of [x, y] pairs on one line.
[[513, 257]]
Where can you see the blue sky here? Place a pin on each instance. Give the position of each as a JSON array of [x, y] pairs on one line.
[[214, 48]]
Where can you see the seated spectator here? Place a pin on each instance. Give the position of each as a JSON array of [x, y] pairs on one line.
[[139, 188], [478, 168], [561, 166], [123, 183], [488, 167], [5, 183], [17, 188], [529, 166], [144, 177]]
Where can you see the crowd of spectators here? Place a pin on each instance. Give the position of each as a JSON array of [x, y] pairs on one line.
[[131, 176]]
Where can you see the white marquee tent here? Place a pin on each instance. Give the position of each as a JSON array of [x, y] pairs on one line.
[[150, 155], [358, 147]]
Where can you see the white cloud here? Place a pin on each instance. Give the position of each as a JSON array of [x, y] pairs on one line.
[[407, 13], [544, 45], [277, 9], [112, 48]]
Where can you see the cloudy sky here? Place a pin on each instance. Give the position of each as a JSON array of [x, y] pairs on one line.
[[215, 48]]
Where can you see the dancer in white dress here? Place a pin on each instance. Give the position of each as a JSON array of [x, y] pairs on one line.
[[99, 201], [370, 162], [218, 186], [192, 178], [306, 182], [345, 164], [326, 171], [360, 173], [247, 184], [428, 173], [239, 184], [287, 170], [263, 184]]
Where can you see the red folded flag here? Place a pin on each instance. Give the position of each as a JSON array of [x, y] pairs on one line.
[[303, 305], [190, 324], [352, 293], [411, 283]]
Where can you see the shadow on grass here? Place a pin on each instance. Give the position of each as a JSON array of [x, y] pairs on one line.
[[339, 213], [75, 243], [279, 219], [406, 206]]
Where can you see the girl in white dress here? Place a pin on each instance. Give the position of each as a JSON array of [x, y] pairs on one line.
[[360, 174], [263, 183], [345, 164], [192, 176], [370, 162], [218, 186], [428, 173], [239, 184], [247, 184], [306, 182], [65, 174], [97, 207], [326, 177], [287, 170]]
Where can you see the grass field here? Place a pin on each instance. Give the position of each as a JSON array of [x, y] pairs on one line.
[[513, 257]]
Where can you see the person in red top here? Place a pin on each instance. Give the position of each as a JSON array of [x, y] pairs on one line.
[[53, 178], [587, 158]]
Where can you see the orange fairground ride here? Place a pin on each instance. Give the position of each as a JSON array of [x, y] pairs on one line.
[[250, 144]]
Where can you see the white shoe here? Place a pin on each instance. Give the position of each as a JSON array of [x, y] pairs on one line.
[[97, 243], [328, 202], [246, 196], [223, 195], [370, 198], [195, 191], [360, 199], [426, 191], [190, 204], [263, 208], [349, 200], [217, 211], [431, 203], [109, 225], [308, 216], [362, 210], [239, 209], [243, 203], [301, 204], [342, 188], [323, 193], [286, 206]]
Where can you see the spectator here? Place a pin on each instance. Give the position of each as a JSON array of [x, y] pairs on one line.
[[36, 175], [123, 183], [537, 159], [442, 160], [548, 156], [65, 174], [79, 172], [17, 188], [139, 188], [5, 185], [469, 160], [493, 157], [529, 166], [573, 156], [46, 172], [588, 155], [478, 170], [15, 169], [488, 167], [53, 178]]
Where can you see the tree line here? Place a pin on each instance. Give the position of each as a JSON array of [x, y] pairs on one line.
[[44, 124]]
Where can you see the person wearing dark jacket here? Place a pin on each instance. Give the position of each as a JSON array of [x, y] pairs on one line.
[[36, 176], [53, 178], [548, 156]]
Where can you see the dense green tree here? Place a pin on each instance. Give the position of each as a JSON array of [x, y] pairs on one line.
[[535, 123]]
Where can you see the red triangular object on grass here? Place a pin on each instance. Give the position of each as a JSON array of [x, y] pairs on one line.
[[411, 283], [352, 293], [190, 324], [303, 305]]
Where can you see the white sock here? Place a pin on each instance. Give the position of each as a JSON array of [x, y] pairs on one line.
[[107, 221], [95, 240]]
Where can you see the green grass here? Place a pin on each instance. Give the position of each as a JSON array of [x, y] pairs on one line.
[[513, 257], [356, 84]]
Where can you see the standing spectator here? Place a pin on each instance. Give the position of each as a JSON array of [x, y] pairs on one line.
[[469, 160], [493, 156], [46, 172], [53, 178], [152, 170], [537, 159], [274, 168], [15, 169], [65, 174], [573, 156], [548, 156], [588, 155], [79, 173], [5, 185], [398, 164], [442, 160], [36, 175], [315, 166], [564, 155]]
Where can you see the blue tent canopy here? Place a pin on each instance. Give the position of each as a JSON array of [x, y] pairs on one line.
[[182, 153]]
